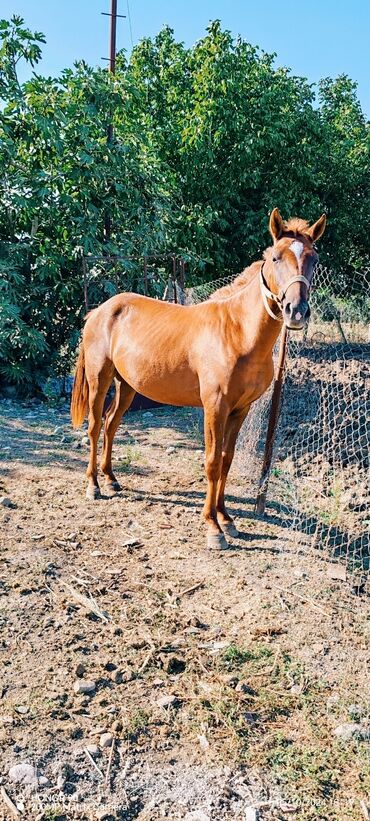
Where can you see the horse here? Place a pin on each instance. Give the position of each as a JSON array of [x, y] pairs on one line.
[[217, 355]]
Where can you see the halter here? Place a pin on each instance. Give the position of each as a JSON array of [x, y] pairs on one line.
[[277, 298]]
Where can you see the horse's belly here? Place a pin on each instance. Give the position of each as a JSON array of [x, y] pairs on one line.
[[179, 387]]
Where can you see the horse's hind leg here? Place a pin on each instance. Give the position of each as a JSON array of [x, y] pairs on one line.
[[99, 382], [118, 406]]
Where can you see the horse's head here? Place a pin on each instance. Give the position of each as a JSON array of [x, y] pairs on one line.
[[293, 258]]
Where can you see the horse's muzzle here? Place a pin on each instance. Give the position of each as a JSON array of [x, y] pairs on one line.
[[296, 316]]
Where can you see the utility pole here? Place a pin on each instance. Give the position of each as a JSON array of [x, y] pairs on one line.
[[112, 68]]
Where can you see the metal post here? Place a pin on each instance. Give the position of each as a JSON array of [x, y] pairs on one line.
[[272, 425], [112, 69]]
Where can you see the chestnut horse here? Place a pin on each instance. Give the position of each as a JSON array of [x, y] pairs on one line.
[[217, 355]]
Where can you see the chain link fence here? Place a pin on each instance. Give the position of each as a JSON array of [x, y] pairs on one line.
[[320, 473]]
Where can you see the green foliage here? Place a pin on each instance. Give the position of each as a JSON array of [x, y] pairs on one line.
[[206, 141]]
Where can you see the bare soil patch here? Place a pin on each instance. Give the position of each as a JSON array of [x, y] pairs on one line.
[[221, 677]]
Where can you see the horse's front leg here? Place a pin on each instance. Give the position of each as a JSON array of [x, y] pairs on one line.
[[232, 429], [215, 415]]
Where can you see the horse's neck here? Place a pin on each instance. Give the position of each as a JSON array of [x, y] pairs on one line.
[[260, 329]]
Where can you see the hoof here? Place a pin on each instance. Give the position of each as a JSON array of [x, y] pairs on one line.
[[113, 487], [230, 529], [93, 493], [216, 541]]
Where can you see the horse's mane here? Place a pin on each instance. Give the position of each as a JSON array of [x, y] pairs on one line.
[[292, 227], [240, 281]]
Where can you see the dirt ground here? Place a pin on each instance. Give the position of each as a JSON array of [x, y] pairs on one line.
[[225, 686]]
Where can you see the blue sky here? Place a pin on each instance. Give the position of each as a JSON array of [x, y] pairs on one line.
[[315, 39]]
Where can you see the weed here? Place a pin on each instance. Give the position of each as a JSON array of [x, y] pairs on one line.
[[139, 723], [131, 455], [233, 657]]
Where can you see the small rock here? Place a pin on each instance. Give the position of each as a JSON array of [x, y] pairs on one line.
[[85, 440], [351, 730], [43, 781], [318, 647], [118, 677], [7, 720], [250, 814], [93, 749], [171, 450], [6, 502], [196, 815], [166, 701], [23, 774], [117, 726], [356, 711], [61, 781], [80, 670], [21, 709], [337, 572], [203, 741], [106, 740], [332, 700], [83, 686]]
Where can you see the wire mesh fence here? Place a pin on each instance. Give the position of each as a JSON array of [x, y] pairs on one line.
[[158, 276], [320, 474]]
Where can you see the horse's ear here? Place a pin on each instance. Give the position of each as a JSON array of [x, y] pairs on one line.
[[317, 229], [276, 224]]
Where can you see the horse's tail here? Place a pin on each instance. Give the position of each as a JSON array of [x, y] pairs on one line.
[[80, 393]]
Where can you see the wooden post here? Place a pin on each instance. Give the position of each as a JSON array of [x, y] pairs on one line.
[[85, 282], [272, 425]]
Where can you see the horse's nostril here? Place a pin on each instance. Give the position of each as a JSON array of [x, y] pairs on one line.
[[288, 308]]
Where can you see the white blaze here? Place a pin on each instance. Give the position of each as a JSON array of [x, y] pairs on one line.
[[297, 248]]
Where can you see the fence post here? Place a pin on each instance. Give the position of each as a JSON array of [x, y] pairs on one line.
[[84, 275]]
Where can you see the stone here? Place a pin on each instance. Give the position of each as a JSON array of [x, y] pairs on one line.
[[166, 701], [106, 740], [80, 670], [93, 749], [171, 450], [5, 501], [196, 815], [7, 720], [84, 686], [356, 711], [117, 725], [23, 774], [61, 781], [250, 814], [351, 730], [203, 741]]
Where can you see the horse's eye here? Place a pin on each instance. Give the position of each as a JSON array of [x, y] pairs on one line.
[[275, 259]]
